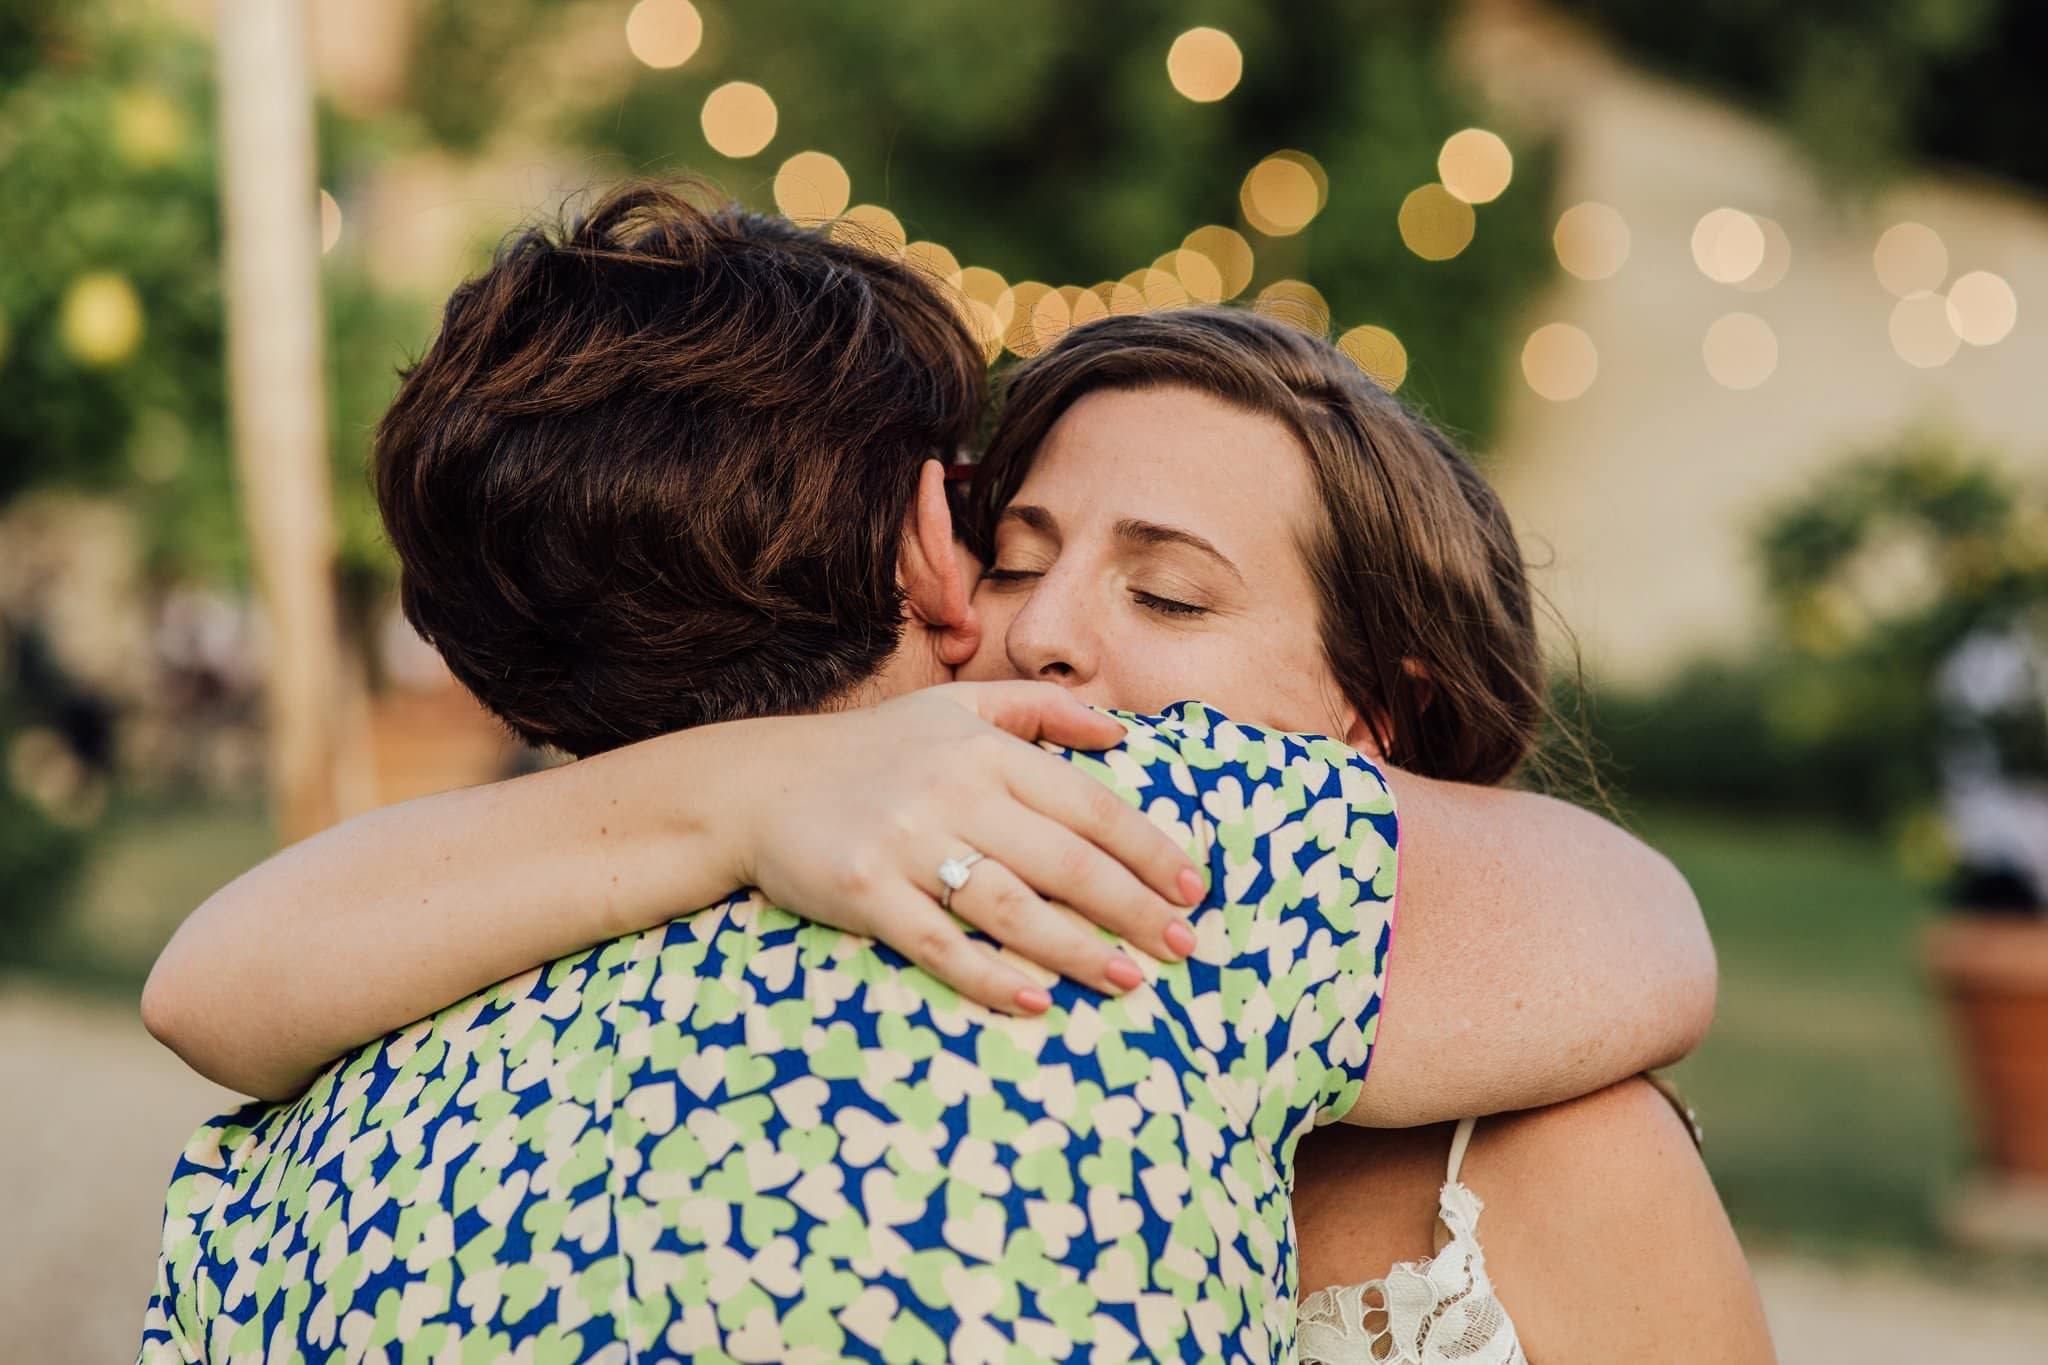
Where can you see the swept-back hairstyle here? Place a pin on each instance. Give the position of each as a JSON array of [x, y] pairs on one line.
[[655, 468]]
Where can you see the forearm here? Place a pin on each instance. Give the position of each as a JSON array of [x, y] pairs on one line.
[[390, 916], [1541, 953]]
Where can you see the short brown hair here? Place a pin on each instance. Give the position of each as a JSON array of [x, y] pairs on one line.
[[1426, 607], [654, 470]]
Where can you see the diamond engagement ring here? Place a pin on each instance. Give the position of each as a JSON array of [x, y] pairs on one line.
[[953, 874]]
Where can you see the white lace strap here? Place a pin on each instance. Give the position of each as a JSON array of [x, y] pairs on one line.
[[1459, 1141]]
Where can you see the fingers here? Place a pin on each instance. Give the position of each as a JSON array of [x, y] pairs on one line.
[[1062, 865], [934, 940], [1038, 710], [1061, 792], [999, 903]]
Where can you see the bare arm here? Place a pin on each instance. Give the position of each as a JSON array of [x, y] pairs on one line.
[[1607, 1241], [1603, 1235], [1540, 953], [843, 817]]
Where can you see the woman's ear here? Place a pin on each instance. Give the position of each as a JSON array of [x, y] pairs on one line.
[[1361, 734], [937, 584]]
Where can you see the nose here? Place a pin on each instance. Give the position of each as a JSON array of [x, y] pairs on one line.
[[1052, 637]]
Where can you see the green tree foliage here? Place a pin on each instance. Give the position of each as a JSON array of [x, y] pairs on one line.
[[1043, 139], [1866, 84], [112, 336], [1873, 575]]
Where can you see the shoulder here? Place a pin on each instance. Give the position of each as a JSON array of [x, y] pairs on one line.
[[1194, 747], [1267, 793]]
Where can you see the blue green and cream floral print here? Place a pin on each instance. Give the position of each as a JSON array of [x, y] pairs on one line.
[[742, 1137]]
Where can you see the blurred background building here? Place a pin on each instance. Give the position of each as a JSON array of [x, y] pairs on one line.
[[1740, 307]]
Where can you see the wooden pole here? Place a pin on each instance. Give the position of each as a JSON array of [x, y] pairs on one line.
[[276, 382]]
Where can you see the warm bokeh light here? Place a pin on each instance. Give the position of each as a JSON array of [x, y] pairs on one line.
[[989, 289], [1297, 303], [664, 33], [1052, 315], [1204, 64], [1921, 332], [739, 119], [1228, 251], [1022, 336], [934, 260], [1727, 245], [149, 129], [1083, 306], [1379, 353], [101, 319], [1741, 350], [330, 222], [1591, 240], [1475, 165], [811, 187], [1910, 259], [873, 227], [1159, 288], [1436, 224], [985, 326], [1283, 192], [1981, 308], [1119, 298], [1777, 258], [1560, 362], [1197, 274]]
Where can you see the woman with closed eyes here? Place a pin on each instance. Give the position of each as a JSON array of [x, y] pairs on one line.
[[1204, 505]]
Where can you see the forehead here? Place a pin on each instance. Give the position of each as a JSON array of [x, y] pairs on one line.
[[1178, 457]]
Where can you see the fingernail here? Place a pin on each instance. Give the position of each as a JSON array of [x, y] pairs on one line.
[[1191, 887], [1124, 974], [1032, 1000], [1180, 938]]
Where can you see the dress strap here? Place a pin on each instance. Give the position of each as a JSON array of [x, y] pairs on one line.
[[1459, 1141]]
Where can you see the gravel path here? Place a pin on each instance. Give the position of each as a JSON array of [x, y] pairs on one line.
[[97, 1112]]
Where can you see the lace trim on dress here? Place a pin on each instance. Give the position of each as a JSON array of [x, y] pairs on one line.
[[1439, 1311]]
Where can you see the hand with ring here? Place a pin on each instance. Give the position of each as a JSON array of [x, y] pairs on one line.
[[904, 820]]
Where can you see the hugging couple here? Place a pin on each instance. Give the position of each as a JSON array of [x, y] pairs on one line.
[[979, 1049]]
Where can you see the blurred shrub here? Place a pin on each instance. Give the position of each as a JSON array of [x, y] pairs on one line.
[[112, 334], [1777, 730], [39, 855], [1875, 575], [1866, 85], [1043, 139]]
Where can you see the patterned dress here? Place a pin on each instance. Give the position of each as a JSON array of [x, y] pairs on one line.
[[741, 1137]]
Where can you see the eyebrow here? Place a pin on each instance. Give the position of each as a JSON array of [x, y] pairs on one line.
[[1129, 528], [1152, 533], [1032, 517]]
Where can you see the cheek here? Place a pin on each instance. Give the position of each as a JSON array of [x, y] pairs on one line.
[[1269, 674], [990, 661], [1147, 669]]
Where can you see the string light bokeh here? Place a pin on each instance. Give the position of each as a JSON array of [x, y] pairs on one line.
[[664, 33], [739, 119]]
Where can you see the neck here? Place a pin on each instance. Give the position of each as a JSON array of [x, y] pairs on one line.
[[914, 666]]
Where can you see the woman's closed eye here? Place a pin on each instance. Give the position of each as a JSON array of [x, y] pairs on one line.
[[1167, 606], [997, 574]]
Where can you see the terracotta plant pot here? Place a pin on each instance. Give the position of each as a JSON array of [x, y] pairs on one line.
[[1994, 973]]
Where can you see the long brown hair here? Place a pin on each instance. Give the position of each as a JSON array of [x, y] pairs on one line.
[[1427, 616]]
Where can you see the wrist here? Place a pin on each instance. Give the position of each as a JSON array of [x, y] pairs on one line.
[[751, 767]]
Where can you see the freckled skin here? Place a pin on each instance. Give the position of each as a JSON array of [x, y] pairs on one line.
[[1089, 610]]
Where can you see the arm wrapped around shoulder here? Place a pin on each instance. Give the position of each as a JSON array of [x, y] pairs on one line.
[[1543, 953]]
